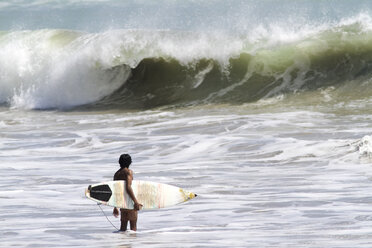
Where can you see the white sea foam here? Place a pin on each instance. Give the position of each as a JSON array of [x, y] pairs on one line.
[[267, 171], [364, 146], [256, 175]]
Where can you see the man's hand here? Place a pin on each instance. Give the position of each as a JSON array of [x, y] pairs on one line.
[[137, 206], [115, 212]]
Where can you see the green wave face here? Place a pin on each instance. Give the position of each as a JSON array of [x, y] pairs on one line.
[[330, 58]]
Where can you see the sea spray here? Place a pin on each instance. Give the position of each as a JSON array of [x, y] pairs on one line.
[[55, 69]]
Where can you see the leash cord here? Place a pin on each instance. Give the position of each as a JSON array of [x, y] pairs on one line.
[[99, 205]]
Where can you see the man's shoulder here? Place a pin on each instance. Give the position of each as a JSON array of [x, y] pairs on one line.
[[122, 174], [118, 175]]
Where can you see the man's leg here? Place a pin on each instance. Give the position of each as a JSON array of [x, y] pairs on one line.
[[124, 220], [123, 226], [132, 216], [133, 225]]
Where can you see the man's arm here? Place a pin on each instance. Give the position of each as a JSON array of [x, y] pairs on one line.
[[129, 189]]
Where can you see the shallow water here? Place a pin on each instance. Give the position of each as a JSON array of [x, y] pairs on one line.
[[277, 178]]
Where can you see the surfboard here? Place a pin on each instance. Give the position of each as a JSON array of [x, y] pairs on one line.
[[151, 195]]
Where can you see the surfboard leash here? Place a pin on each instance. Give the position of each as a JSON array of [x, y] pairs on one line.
[[99, 205]]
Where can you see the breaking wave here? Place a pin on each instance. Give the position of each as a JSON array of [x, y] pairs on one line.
[[61, 69]]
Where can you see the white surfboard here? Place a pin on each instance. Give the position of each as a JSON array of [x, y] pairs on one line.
[[150, 194]]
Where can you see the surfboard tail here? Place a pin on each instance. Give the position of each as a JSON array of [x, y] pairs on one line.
[[100, 193]]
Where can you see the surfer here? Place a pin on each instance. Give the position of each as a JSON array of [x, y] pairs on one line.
[[124, 173]]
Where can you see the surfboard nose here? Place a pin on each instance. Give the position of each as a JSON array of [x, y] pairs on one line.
[[192, 195]]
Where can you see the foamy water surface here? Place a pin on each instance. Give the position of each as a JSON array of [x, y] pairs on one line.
[[297, 178]]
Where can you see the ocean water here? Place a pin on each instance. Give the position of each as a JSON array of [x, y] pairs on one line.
[[262, 108]]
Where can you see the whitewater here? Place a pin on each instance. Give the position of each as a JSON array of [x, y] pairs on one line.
[[262, 108]]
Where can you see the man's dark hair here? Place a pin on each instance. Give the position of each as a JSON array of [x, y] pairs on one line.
[[125, 160]]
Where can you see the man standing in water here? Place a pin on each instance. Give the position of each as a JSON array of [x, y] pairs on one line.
[[124, 173]]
